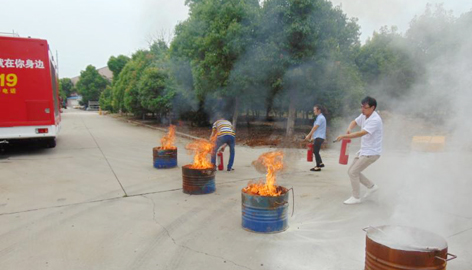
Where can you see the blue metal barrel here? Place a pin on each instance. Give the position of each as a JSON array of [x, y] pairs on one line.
[[198, 181], [265, 214], [164, 158]]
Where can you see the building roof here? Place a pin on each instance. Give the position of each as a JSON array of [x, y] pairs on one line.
[[104, 71]]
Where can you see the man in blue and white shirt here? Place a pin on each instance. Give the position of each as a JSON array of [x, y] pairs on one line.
[[371, 147], [318, 135]]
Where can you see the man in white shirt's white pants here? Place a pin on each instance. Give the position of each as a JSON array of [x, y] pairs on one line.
[[371, 147]]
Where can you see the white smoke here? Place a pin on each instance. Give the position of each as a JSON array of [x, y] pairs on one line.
[[431, 190], [373, 14]]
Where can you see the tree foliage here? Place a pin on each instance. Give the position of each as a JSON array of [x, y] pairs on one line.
[[441, 44], [156, 88], [304, 44], [116, 64], [154, 93], [387, 65], [143, 85], [66, 87], [214, 38], [106, 98], [432, 33], [282, 50], [91, 84], [282, 57], [126, 95]]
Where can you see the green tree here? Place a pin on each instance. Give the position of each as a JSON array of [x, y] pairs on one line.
[[441, 44], [156, 87], [432, 33], [91, 84], [106, 98], [387, 65], [155, 94], [125, 89], [214, 37], [66, 87], [116, 64], [309, 49]]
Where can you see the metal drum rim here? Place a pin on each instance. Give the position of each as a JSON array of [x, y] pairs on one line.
[[187, 167], [370, 232], [160, 148], [256, 195]]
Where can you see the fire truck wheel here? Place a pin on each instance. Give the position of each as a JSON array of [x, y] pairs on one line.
[[51, 143]]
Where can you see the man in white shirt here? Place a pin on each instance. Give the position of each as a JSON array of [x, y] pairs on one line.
[[371, 147]]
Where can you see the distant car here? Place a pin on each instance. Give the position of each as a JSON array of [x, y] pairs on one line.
[[92, 108]]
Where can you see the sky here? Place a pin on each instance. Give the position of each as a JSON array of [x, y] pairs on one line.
[[85, 32]]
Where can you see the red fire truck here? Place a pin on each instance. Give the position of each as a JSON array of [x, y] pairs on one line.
[[29, 98]]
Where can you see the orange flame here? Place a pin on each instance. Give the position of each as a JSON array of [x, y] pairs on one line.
[[201, 148], [273, 162], [167, 141]]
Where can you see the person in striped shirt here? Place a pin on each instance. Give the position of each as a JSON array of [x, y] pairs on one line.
[[223, 129]]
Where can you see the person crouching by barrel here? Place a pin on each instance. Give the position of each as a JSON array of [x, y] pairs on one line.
[[318, 134], [223, 129], [371, 147]]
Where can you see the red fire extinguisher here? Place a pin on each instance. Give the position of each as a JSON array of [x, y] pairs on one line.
[[309, 152], [220, 161], [344, 155]]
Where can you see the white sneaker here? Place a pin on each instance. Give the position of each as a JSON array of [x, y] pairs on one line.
[[352, 200], [371, 190]]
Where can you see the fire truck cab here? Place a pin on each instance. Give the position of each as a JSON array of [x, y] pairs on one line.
[[29, 98]]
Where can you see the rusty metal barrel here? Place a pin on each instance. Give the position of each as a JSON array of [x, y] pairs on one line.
[[198, 181], [399, 247], [265, 214], [163, 159]]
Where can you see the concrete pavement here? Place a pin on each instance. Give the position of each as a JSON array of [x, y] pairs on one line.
[[96, 202]]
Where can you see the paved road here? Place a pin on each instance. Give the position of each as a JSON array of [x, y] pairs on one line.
[[96, 202]]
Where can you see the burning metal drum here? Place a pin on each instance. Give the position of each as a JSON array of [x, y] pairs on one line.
[[265, 214], [397, 247], [198, 181], [164, 158]]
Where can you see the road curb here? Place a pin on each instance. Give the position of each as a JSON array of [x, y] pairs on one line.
[[137, 123]]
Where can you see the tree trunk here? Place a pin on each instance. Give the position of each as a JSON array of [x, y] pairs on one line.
[[248, 119], [268, 110], [235, 113], [292, 114], [269, 105]]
